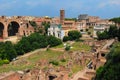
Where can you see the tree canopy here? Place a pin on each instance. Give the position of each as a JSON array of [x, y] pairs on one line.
[[8, 51], [116, 20], [46, 26], [74, 35], [110, 71], [112, 32]]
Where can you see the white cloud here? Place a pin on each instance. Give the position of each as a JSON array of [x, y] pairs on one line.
[[7, 5], [109, 3]]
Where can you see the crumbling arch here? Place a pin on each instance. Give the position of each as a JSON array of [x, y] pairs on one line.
[[1, 29], [13, 28], [52, 77]]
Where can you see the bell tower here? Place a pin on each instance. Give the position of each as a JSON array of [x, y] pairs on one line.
[[62, 16]]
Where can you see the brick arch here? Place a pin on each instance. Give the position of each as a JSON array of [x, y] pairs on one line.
[[22, 23], [13, 28], [2, 26], [13, 20]]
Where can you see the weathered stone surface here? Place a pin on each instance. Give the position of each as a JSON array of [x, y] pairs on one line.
[[24, 28]]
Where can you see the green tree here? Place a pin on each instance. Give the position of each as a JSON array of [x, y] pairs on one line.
[[110, 71], [33, 23], [74, 35], [35, 45], [116, 20], [19, 48], [65, 38], [46, 26], [67, 48], [119, 34], [40, 40], [102, 35], [113, 32], [7, 51], [23, 46], [53, 41]]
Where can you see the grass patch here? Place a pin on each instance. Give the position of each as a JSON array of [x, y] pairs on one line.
[[59, 46], [50, 55], [63, 60], [79, 46], [31, 60], [47, 55], [76, 68], [56, 63]]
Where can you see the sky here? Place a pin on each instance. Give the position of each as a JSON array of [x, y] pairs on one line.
[[101, 8]]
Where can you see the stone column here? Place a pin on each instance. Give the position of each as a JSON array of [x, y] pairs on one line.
[[20, 31], [5, 33]]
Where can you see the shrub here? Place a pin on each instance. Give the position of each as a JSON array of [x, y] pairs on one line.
[[86, 29], [65, 38], [67, 48], [53, 41], [63, 60], [4, 62], [81, 30], [1, 62], [73, 35], [56, 63]]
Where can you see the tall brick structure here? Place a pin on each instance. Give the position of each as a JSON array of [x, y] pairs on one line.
[[62, 16]]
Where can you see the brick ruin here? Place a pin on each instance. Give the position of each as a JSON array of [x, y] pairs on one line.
[[14, 26], [43, 70]]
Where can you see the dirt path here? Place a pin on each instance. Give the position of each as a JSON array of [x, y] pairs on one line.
[[57, 49], [30, 53], [110, 42], [38, 50]]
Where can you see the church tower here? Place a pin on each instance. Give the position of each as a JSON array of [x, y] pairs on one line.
[[62, 16]]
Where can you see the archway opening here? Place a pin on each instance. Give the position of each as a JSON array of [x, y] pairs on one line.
[[1, 30], [52, 77], [103, 54], [13, 28]]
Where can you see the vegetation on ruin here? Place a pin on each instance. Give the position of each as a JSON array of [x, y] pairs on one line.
[[112, 32], [51, 56], [8, 51], [75, 46], [80, 46], [46, 26], [71, 19], [65, 38], [72, 35], [33, 23], [110, 71], [30, 62], [53, 41], [116, 20]]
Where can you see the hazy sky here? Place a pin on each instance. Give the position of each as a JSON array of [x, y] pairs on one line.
[[102, 8]]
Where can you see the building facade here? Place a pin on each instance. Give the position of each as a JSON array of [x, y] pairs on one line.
[[56, 30], [99, 28]]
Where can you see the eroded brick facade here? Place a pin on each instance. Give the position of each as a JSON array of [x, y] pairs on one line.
[[24, 28]]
